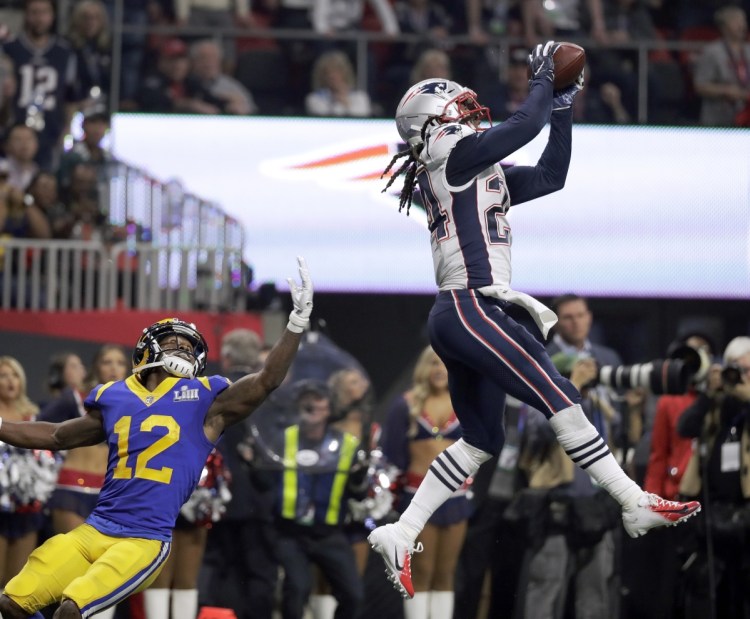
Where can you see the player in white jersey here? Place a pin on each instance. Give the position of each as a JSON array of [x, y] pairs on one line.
[[489, 336]]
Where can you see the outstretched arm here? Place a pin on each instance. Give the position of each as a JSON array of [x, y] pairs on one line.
[[80, 432], [243, 397], [548, 175], [473, 154], [528, 182]]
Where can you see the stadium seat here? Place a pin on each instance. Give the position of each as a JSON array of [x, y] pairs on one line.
[[264, 73]]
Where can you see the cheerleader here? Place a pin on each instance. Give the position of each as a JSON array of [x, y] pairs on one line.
[[20, 514], [420, 425]]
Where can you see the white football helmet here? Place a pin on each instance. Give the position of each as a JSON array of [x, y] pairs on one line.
[[442, 99]]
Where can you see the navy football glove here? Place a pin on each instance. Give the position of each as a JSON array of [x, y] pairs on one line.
[[562, 99], [541, 64]]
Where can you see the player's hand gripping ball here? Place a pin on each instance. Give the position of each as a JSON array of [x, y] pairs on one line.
[[569, 62]]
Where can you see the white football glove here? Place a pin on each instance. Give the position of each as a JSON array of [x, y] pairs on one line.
[[302, 299], [541, 63]]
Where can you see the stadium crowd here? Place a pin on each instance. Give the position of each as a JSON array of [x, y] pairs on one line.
[[529, 537], [299, 57]]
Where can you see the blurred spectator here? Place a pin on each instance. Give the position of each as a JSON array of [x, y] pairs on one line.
[[670, 453], [46, 77], [299, 53], [334, 90], [514, 91], [330, 17], [215, 92], [430, 63], [66, 379], [165, 89], [20, 217], [576, 517], [84, 219], [432, 23], [218, 14], [19, 524], [333, 18], [600, 102], [420, 425], [43, 189], [424, 18], [320, 472], [668, 458], [21, 148], [626, 21], [135, 17], [722, 72], [399, 77], [718, 570], [90, 36], [88, 149], [7, 89], [351, 413], [493, 17], [571, 337], [567, 19], [486, 579], [240, 549]]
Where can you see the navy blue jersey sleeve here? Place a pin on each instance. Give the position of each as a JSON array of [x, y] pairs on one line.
[[528, 182], [477, 152], [395, 442]]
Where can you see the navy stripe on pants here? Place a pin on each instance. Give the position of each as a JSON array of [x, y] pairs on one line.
[[492, 348]]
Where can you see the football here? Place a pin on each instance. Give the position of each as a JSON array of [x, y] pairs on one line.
[[569, 62]]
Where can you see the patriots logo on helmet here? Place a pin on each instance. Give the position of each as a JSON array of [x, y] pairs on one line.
[[433, 88]]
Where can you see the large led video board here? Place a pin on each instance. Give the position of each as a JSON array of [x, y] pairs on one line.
[[646, 212]]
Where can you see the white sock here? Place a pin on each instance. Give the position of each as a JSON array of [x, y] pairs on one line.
[[587, 449], [447, 474], [107, 613], [156, 603], [417, 607], [184, 603], [323, 606], [441, 604]]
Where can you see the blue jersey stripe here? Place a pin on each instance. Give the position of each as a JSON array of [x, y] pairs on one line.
[[471, 237]]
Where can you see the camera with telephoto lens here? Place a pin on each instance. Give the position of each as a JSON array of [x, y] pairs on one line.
[[731, 375], [686, 365]]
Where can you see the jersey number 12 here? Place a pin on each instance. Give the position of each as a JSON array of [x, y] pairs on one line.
[[142, 470]]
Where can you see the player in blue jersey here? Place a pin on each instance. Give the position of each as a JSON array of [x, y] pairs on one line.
[[489, 336], [160, 425]]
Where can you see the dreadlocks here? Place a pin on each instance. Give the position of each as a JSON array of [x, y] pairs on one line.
[[409, 167]]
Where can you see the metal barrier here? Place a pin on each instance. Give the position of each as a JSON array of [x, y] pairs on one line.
[[89, 275], [163, 214]]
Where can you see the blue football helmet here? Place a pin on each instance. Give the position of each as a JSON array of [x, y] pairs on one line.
[[149, 354]]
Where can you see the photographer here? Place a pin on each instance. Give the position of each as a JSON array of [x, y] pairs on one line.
[[574, 541], [720, 471], [571, 337]]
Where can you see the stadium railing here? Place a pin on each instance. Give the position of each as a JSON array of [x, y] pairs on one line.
[[160, 247], [646, 52]]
